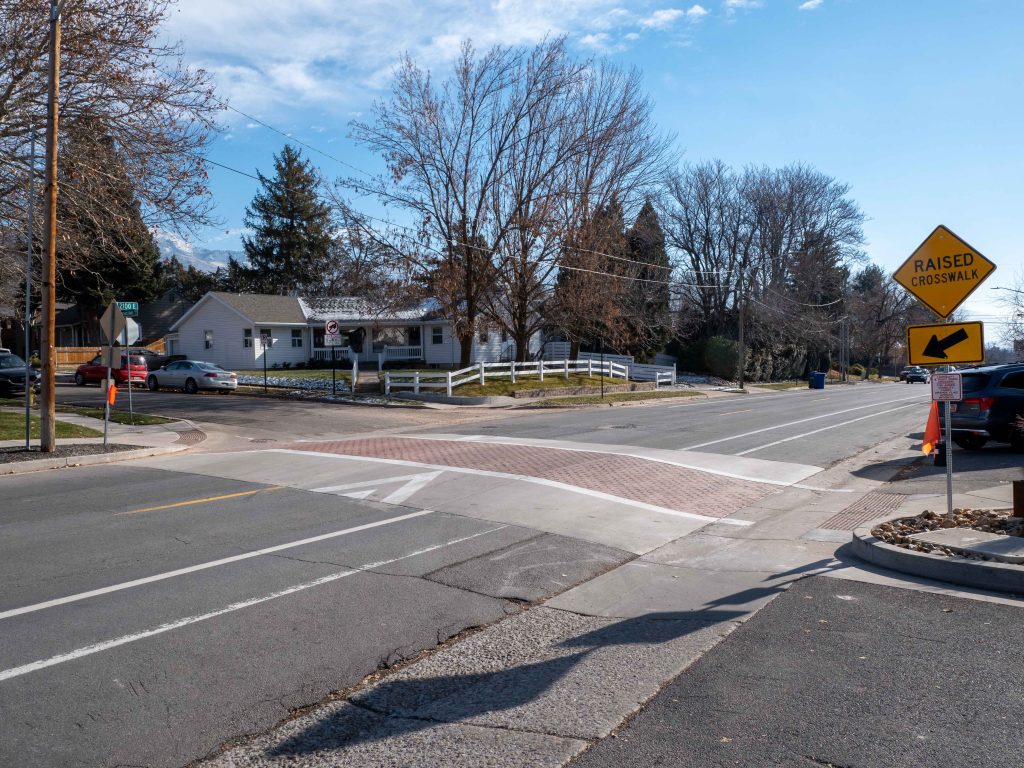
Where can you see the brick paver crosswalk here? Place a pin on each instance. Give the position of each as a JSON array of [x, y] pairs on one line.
[[631, 477]]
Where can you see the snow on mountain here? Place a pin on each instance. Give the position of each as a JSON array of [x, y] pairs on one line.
[[205, 259]]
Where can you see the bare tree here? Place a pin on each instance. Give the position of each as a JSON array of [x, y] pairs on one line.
[[503, 165], [121, 86]]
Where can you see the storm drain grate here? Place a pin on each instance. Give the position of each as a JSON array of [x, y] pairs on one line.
[[872, 506], [191, 436]]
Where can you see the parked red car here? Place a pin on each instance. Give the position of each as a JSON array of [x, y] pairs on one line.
[[95, 371]]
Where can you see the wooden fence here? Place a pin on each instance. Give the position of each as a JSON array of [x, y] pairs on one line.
[[481, 372], [66, 356]]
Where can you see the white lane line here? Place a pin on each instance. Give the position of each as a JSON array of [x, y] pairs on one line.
[[203, 566], [106, 645], [793, 423], [731, 413], [823, 429], [524, 478], [413, 484]]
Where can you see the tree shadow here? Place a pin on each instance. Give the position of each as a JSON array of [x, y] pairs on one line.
[[405, 705]]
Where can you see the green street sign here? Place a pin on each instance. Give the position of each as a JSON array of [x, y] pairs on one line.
[[129, 308]]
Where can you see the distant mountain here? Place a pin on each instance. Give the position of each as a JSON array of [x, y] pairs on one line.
[[205, 259]]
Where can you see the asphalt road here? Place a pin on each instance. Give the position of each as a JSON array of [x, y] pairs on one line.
[[816, 427], [150, 611], [266, 418], [148, 615], [812, 682]]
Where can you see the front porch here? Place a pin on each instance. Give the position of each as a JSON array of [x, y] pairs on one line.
[[387, 354]]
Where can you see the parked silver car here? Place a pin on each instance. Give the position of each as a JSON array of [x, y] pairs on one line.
[[191, 376]]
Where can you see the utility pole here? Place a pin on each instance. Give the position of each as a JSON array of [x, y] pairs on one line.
[[28, 290], [743, 349], [47, 432]]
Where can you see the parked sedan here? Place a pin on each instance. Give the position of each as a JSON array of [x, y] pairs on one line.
[[95, 371], [917, 374], [12, 374], [191, 376]]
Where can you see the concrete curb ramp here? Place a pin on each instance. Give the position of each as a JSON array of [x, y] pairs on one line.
[[980, 574]]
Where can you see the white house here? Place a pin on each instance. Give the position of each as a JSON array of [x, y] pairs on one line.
[[230, 328]]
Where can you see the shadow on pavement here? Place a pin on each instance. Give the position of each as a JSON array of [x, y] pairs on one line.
[[402, 706]]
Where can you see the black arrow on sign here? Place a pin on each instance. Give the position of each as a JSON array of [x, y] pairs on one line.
[[938, 348]]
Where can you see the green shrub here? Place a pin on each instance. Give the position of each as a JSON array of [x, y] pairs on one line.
[[721, 356], [856, 370]]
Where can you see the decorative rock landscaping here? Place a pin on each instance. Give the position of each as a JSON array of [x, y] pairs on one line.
[[902, 531]]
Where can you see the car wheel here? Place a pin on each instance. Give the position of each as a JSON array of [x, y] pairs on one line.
[[1017, 440], [153, 384], [80, 379], [190, 386], [5, 389], [970, 442]]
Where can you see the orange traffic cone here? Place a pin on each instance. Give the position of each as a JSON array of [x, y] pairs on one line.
[[932, 430]]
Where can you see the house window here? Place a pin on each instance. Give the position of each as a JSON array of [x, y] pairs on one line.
[[267, 337], [207, 339], [247, 338], [504, 335], [297, 337], [389, 337], [483, 336], [437, 335]]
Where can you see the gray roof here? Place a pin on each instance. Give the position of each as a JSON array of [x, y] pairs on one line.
[[348, 308], [264, 308]]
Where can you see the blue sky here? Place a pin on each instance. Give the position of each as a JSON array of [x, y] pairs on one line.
[[915, 104]]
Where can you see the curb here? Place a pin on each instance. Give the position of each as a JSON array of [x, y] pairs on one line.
[[37, 465], [980, 574]]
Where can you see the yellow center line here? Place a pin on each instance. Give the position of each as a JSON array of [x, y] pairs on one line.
[[203, 501], [730, 413]]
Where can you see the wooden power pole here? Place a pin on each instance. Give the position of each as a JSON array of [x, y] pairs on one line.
[[48, 441]]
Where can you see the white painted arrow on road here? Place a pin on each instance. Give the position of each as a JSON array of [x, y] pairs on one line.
[[410, 485]]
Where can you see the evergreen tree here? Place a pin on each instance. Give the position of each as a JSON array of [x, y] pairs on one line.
[[108, 252], [290, 246], [650, 317]]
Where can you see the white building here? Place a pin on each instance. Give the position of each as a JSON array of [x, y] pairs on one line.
[[230, 329]]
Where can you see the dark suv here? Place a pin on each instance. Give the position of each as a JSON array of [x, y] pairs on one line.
[[992, 407]]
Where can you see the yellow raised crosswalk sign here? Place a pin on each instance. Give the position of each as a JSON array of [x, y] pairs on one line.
[[943, 271]]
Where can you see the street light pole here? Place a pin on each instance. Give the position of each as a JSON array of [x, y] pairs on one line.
[[47, 431]]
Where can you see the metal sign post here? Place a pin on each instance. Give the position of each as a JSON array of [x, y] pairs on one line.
[[947, 388], [265, 341], [112, 324], [332, 339]]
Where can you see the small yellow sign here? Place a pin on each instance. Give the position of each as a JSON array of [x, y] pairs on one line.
[[943, 271], [946, 344]]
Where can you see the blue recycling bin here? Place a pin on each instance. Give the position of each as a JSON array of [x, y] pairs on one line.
[[817, 380]]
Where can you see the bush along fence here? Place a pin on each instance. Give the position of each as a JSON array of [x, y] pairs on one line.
[[537, 369]]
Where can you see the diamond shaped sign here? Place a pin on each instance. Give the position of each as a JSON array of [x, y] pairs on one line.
[[943, 271]]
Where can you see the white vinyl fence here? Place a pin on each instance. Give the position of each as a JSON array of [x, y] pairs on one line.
[[482, 372]]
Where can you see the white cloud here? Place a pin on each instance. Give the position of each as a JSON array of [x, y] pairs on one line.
[[731, 6], [271, 58], [663, 18], [810, 5]]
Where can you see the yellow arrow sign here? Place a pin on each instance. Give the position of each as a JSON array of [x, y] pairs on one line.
[[946, 344], [943, 271]]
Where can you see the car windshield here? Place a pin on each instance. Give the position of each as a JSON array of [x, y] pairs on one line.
[[11, 361], [974, 382]]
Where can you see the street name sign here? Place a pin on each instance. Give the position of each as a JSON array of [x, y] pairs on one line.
[[129, 308], [943, 271], [113, 322], [333, 340], [947, 387], [946, 344]]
